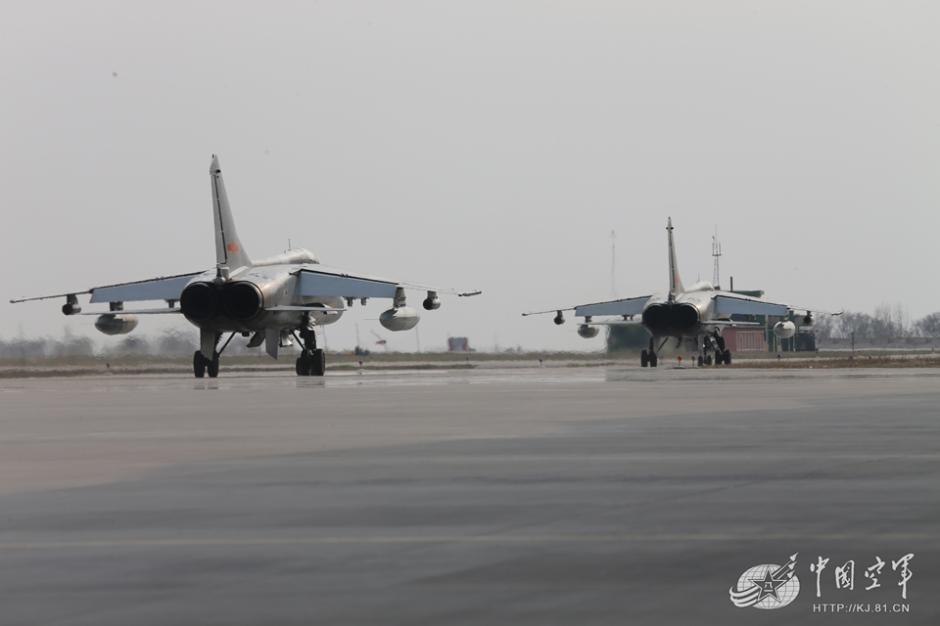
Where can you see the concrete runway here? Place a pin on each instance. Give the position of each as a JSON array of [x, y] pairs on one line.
[[575, 496]]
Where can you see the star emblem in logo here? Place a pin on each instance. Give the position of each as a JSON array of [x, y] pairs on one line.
[[768, 585]]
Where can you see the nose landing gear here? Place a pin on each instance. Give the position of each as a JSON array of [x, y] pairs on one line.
[[649, 358]]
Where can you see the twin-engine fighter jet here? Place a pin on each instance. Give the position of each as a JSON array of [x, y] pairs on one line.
[[695, 315], [271, 300]]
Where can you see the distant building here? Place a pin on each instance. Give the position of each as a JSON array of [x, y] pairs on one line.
[[745, 339], [458, 344]]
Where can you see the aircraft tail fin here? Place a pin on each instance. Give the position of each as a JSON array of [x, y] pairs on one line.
[[228, 247], [675, 283]]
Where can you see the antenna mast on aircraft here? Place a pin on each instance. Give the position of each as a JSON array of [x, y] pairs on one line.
[[716, 253]]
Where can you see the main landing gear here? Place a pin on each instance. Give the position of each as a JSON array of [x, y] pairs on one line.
[[312, 360], [203, 365], [714, 343]]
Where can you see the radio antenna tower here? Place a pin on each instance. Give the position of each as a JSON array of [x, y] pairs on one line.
[[613, 263], [716, 254]]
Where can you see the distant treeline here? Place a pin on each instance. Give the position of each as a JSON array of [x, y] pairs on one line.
[[887, 325], [169, 343]]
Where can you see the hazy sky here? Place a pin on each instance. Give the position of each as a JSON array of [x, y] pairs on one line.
[[475, 144]]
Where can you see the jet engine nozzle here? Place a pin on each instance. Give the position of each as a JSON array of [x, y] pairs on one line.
[[671, 318], [111, 324], [242, 300], [559, 318], [400, 318], [199, 302]]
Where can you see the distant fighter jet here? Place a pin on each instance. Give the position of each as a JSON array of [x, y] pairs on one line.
[[695, 315], [270, 300]]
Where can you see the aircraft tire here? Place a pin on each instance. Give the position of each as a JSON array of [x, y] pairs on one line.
[[212, 367], [317, 363], [644, 359], [303, 365], [701, 360], [654, 360], [727, 357], [199, 365]]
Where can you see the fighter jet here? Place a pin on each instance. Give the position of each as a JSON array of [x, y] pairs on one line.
[[694, 316], [272, 301]]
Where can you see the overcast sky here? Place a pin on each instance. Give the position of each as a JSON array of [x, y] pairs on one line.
[[477, 144]]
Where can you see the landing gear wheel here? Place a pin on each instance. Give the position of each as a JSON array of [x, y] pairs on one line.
[[727, 357], [303, 365], [654, 360], [701, 360], [212, 367], [708, 359], [317, 363], [199, 364], [644, 359]]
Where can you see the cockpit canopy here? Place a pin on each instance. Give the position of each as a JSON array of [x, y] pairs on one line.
[[702, 285], [292, 256]]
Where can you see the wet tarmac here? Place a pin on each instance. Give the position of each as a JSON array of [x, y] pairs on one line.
[[562, 496]]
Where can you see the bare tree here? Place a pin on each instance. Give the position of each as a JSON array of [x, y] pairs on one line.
[[928, 326]]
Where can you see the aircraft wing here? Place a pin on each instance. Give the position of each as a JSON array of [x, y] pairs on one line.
[[742, 305], [325, 281], [623, 306], [160, 288]]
